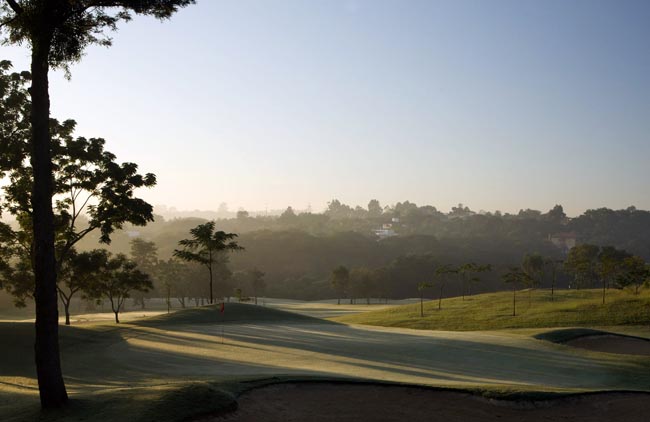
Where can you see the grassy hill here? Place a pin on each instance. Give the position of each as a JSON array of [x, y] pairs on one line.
[[570, 308], [233, 313]]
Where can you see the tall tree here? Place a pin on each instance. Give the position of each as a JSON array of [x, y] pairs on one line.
[[92, 191], [57, 32], [205, 246]]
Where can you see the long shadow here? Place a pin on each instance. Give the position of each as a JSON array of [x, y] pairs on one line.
[[423, 356], [455, 358]]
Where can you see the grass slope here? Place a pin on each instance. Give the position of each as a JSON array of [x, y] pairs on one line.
[[570, 308], [234, 312]]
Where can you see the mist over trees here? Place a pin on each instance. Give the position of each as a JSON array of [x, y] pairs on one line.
[[298, 251]]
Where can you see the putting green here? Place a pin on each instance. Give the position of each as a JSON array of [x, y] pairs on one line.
[[248, 342]]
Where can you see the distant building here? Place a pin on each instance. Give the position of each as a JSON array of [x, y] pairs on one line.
[[563, 241], [384, 233]]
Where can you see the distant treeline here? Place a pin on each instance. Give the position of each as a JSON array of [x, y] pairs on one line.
[[297, 252]]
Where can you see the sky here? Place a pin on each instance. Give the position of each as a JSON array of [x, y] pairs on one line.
[[499, 105]]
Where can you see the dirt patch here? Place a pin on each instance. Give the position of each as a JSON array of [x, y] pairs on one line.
[[611, 343], [319, 402]]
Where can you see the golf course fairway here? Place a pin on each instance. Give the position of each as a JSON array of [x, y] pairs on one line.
[[196, 362]]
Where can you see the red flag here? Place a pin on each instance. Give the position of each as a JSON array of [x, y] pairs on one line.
[[223, 307]]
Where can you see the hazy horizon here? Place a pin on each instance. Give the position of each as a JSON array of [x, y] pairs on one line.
[[500, 106]]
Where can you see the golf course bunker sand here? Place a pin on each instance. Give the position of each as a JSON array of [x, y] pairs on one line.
[[612, 343], [362, 402]]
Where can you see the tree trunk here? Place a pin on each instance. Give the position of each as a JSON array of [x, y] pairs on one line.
[[46, 347], [339, 301], [211, 298], [66, 306], [553, 285], [440, 298], [514, 301], [117, 318], [421, 305]]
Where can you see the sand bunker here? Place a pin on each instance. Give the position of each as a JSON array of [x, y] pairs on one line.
[[319, 402], [612, 343]]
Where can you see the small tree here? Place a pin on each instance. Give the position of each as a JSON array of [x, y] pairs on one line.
[[468, 277], [442, 275], [533, 266], [256, 279], [611, 263], [145, 255], [170, 273], [120, 278], [361, 283], [78, 274], [340, 281], [515, 277], [205, 246], [582, 264], [421, 287], [556, 266], [634, 273]]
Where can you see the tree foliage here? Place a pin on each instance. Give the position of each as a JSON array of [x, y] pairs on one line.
[[92, 192], [119, 279], [206, 247]]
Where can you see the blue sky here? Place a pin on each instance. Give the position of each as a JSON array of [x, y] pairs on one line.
[[495, 104]]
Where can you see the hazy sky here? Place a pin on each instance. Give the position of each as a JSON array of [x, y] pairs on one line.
[[495, 104]]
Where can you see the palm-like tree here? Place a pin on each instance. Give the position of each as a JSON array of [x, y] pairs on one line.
[[205, 246]]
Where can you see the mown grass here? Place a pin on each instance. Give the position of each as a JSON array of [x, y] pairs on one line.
[[233, 312], [106, 385], [493, 311]]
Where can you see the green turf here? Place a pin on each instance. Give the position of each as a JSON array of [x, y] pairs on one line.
[[176, 367], [493, 311]]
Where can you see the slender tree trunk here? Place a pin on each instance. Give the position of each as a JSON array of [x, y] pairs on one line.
[[117, 319], [339, 301], [66, 306], [440, 298], [553, 284], [46, 347], [421, 304], [514, 301], [211, 297]]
